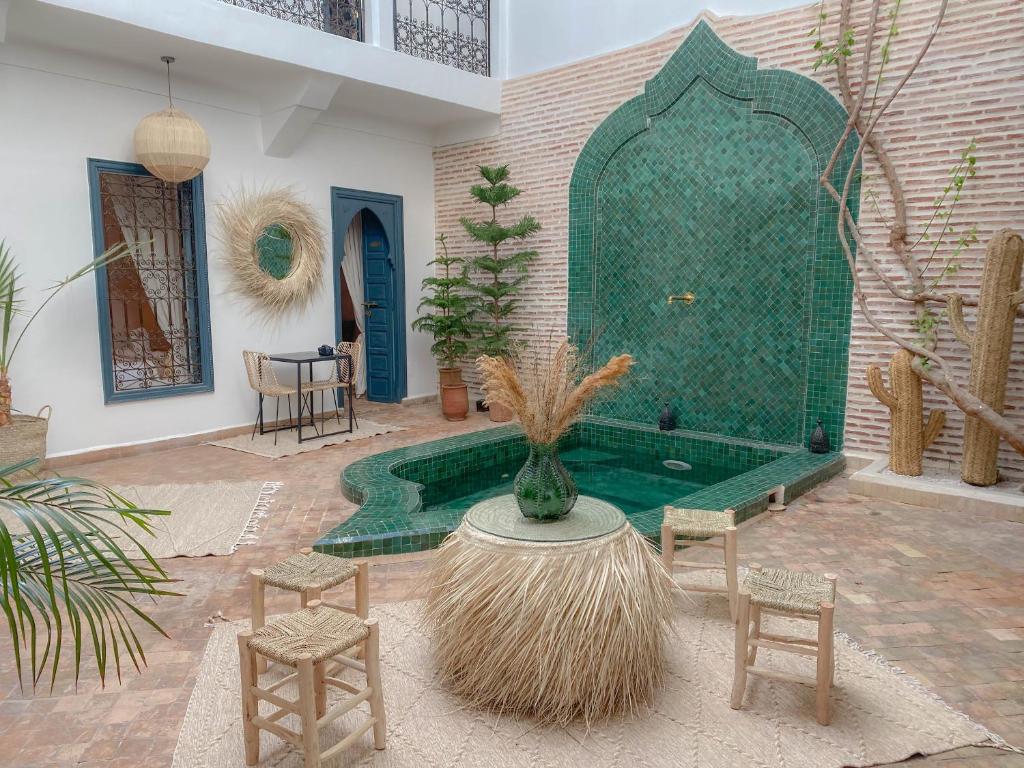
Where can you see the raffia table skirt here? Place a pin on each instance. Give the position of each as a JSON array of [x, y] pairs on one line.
[[560, 620]]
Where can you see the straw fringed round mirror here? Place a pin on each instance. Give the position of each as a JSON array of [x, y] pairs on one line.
[[275, 248]]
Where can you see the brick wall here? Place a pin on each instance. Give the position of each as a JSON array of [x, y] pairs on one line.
[[971, 84]]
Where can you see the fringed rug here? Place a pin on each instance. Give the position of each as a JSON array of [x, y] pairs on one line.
[[288, 442], [206, 518], [880, 716]]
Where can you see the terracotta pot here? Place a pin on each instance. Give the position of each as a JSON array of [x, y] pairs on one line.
[[450, 377], [500, 413], [454, 401]]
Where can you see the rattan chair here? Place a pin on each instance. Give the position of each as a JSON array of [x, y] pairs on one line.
[[794, 595], [313, 641], [702, 528], [263, 380], [343, 376]]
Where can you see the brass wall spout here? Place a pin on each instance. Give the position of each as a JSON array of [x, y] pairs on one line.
[[686, 298]]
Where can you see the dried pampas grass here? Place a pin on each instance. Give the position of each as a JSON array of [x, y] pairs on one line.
[[244, 218], [547, 391], [557, 631]]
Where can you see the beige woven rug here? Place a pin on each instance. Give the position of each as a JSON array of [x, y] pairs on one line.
[[288, 441], [206, 518], [880, 715]]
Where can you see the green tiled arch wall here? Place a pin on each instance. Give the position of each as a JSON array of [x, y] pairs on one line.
[[707, 182]]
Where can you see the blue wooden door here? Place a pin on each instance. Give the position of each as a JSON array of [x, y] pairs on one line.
[[379, 308]]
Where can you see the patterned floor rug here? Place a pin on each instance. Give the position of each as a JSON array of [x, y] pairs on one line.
[[288, 443], [880, 716]]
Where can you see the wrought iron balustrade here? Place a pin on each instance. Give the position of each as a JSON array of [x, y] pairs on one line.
[[452, 32], [338, 17]]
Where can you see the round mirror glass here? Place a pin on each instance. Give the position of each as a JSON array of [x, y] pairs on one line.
[[274, 251]]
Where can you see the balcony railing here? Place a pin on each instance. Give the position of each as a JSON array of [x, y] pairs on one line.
[[452, 32], [338, 17]]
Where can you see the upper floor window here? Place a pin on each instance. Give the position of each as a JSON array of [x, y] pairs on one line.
[[154, 308]]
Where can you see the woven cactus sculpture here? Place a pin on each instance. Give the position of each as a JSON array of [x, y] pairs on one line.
[[908, 435], [990, 346]]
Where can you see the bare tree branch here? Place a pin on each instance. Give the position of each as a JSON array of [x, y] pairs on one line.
[[930, 365]]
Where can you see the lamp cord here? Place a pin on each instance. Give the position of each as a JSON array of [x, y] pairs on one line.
[[168, 60], [170, 100]]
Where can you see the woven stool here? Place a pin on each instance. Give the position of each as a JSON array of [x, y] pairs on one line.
[[797, 595], [309, 573], [309, 640], [700, 527]]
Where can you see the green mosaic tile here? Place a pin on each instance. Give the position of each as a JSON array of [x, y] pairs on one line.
[[389, 486], [708, 183]]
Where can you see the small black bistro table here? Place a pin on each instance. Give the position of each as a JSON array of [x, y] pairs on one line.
[[298, 359]]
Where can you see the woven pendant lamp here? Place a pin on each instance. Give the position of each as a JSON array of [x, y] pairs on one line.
[[171, 144]]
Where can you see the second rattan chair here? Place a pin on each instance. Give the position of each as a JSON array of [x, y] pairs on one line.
[[343, 377]]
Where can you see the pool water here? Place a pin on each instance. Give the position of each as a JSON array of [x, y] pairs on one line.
[[634, 482], [412, 498]]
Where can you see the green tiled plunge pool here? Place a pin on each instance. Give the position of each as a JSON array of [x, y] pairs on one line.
[[412, 498]]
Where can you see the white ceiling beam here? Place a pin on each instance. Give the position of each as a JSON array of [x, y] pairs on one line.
[[285, 124]]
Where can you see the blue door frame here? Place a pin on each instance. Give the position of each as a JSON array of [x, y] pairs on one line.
[[345, 204]]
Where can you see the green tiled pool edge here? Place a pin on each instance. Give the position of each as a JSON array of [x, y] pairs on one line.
[[385, 523]]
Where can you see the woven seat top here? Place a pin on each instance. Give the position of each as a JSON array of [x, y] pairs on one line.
[[783, 590], [322, 384], [697, 522], [321, 632], [276, 390], [302, 571]]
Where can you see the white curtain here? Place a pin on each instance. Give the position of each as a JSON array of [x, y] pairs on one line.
[[352, 266]]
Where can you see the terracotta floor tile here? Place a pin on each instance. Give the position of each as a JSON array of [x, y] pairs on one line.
[[937, 593]]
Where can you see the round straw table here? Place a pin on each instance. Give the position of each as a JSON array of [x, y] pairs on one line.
[[558, 620]]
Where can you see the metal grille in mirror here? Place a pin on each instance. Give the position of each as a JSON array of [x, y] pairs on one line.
[[339, 17], [153, 300], [452, 32]]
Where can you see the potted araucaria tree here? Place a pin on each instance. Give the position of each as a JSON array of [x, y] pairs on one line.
[[445, 314], [500, 270]]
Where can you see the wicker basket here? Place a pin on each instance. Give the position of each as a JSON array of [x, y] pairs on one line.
[[24, 438]]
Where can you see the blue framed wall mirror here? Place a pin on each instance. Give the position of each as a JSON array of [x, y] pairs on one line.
[[369, 287], [153, 304]]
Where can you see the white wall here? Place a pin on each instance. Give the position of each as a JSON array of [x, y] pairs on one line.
[[541, 34], [53, 120]]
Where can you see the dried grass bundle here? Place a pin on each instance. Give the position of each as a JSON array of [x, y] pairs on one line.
[[244, 218], [547, 391], [556, 631]]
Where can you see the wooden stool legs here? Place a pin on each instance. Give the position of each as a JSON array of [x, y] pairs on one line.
[[257, 610], [311, 705], [749, 636], [728, 545], [730, 570], [826, 665], [250, 704], [739, 680], [372, 662]]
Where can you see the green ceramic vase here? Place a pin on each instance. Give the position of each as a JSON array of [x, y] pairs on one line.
[[543, 488]]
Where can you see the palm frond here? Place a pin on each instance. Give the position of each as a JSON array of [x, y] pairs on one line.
[[65, 574]]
